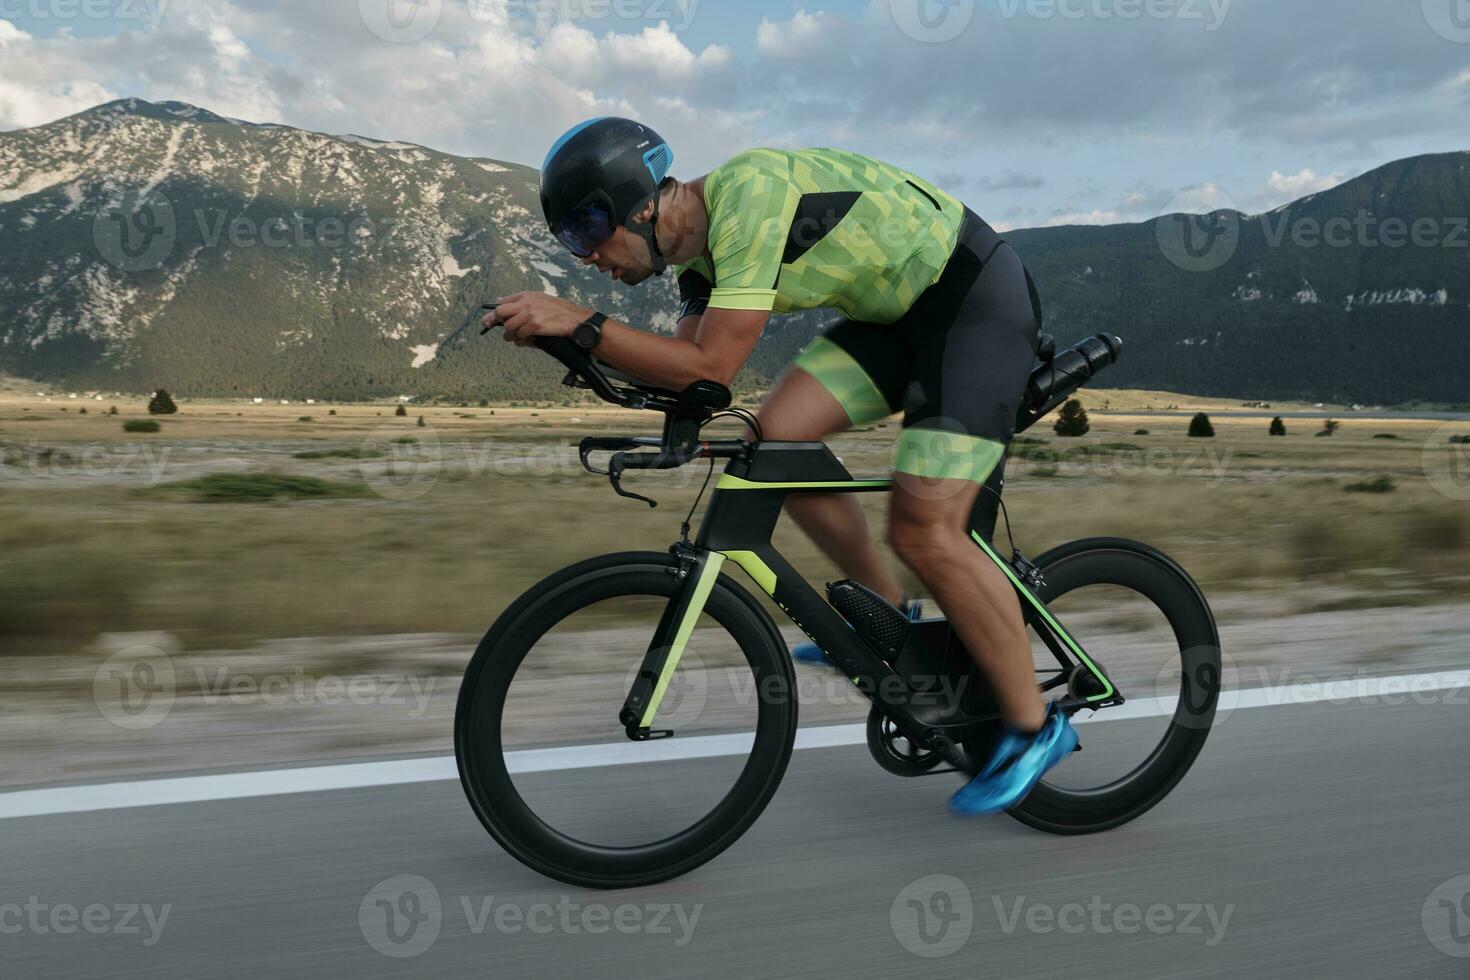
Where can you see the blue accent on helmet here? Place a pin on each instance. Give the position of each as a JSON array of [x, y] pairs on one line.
[[567, 138], [660, 160]]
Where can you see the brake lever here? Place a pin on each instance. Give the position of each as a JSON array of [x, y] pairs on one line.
[[615, 468]]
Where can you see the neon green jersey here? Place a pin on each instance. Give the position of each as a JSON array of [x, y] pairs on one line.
[[796, 230]]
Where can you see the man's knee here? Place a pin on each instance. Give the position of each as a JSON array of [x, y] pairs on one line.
[[922, 541]]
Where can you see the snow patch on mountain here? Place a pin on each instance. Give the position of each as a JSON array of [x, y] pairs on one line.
[[1410, 296]]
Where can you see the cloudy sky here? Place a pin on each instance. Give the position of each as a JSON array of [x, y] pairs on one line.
[[1034, 111]]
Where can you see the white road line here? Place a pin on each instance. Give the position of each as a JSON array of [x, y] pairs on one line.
[[1403, 689]]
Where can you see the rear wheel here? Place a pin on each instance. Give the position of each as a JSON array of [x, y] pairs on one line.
[[1142, 618], [546, 763]]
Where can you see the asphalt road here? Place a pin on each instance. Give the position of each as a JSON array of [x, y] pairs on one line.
[[1308, 841]]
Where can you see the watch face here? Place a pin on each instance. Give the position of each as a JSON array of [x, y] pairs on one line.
[[586, 336]]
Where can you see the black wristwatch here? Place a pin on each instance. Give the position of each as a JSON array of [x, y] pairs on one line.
[[589, 333]]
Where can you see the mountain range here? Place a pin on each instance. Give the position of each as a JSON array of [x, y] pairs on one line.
[[159, 244]]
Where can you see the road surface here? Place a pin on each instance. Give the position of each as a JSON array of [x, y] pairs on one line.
[[1309, 841]]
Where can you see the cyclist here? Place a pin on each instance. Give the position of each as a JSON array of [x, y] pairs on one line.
[[941, 323]]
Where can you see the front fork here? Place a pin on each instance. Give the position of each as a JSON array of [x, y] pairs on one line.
[[698, 571]]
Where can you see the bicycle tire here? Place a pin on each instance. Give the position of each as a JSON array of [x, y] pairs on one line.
[[481, 755], [1151, 573]]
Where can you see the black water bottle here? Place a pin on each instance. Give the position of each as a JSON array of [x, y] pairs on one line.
[[1056, 379]]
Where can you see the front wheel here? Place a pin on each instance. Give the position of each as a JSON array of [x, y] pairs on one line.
[[1141, 617], [547, 764]]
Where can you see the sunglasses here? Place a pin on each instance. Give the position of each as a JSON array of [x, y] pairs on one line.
[[586, 229]]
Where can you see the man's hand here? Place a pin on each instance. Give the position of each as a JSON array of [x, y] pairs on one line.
[[527, 316]]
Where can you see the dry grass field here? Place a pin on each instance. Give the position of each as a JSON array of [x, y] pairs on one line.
[[240, 522], [325, 546]]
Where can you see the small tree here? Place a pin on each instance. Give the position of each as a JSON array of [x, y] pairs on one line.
[[162, 404], [1200, 427], [422, 423], [1278, 427], [112, 410], [1072, 421], [1330, 427], [402, 412]]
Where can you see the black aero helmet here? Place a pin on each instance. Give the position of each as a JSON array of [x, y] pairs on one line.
[[598, 177]]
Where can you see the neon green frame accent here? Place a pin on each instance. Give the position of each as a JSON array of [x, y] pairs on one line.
[[757, 569], [728, 482], [1056, 626], [709, 572]]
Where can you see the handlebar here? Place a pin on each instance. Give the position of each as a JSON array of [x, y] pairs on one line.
[[1054, 379], [685, 414]]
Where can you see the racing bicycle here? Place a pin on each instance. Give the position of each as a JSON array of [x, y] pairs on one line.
[[628, 718]]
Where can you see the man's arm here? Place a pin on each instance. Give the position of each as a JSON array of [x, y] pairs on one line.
[[722, 339], [722, 342]]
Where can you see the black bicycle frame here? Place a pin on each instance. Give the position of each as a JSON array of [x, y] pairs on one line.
[[742, 515]]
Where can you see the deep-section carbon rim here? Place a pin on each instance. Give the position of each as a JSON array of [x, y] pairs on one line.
[[1170, 591], [479, 747]]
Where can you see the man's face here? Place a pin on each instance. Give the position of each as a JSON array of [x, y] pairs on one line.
[[624, 256]]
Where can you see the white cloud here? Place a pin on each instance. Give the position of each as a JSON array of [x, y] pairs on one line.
[[793, 38], [1094, 217], [480, 83], [1304, 182]]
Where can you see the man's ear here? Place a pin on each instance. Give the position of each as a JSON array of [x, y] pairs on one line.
[[646, 215]]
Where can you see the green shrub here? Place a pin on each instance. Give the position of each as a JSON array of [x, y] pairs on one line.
[[1200, 427], [356, 452], [1379, 484], [1141, 432], [1072, 420], [162, 404], [401, 412], [244, 488], [1385, 435], [141, 425], [1278, 426], [306, 418]]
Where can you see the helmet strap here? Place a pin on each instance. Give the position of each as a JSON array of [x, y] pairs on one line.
[[649, 233]]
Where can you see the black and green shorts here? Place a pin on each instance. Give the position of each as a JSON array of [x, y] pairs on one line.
[[956, 364]]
